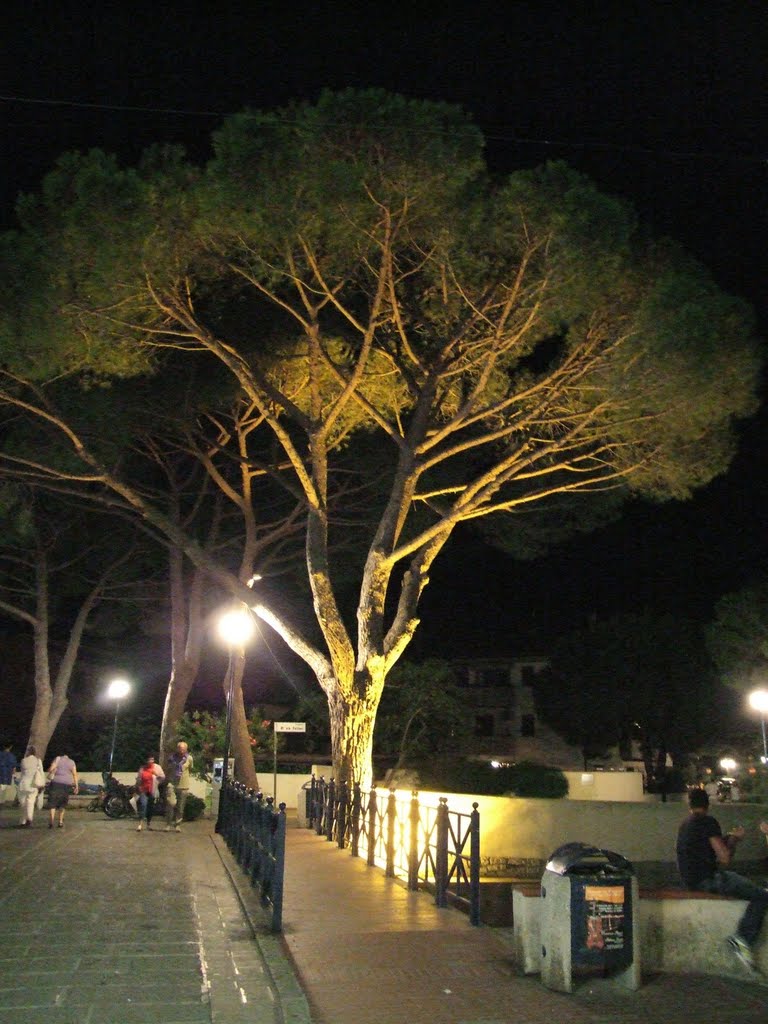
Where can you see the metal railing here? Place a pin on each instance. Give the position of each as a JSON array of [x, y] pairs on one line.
[[425, 845], [255, 834]]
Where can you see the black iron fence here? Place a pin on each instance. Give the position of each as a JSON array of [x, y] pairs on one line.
[[255, 834], [426, 845]]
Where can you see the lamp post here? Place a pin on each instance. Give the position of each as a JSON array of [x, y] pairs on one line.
[[235, 629], [117, 690], [758, 700]]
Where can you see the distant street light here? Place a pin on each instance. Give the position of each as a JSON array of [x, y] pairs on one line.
[[117, 690], [236, 628], [758, 700], [728, 764]]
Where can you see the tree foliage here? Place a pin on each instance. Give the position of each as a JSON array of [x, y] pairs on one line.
[[204, 732], [524, 779], [361, 278], [634, 676], [54, 577], [738, 636], [422, 713]]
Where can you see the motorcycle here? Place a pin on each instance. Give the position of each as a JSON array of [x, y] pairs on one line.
[[113, 798]]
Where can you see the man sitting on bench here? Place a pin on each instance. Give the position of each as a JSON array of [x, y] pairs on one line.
[[704, 854]]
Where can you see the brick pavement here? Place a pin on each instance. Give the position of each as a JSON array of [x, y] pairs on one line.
[[104, 925], [369, 952], [107, 926]]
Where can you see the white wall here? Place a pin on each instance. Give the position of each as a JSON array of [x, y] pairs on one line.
[[532, 829], [199, 787], [511, 827], [288, 786], [597, 785]]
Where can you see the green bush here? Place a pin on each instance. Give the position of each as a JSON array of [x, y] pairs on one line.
[[482, 779], [754, 788], [537, 780], [193, 808]]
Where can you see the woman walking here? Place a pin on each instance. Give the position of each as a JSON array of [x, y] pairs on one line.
[[147, 781], [63, 776], [31, 779]]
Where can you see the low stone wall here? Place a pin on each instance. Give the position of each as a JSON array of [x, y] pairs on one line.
[[521, 831], [680, 933]]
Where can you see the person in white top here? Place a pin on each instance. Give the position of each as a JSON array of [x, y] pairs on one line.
[[31, 778]]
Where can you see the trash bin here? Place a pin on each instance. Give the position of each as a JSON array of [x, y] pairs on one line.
[[218, 772], [589, 917]]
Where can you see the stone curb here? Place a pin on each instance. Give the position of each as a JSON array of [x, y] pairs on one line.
[[278, 964]]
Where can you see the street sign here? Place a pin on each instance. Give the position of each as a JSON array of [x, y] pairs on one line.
[[283, 727]]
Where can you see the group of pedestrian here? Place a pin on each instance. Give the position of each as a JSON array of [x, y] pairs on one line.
[[30, 778], [149, 780]]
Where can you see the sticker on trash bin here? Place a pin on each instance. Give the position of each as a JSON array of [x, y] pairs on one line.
[[603, 894], [605, 917], [601, 925]]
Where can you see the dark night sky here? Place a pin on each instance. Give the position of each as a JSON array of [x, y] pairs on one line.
[[664, 103]]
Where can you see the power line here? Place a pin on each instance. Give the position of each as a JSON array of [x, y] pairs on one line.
[[497, 133], [79, 105]]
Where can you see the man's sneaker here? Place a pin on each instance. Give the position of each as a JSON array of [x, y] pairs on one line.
[[139, 826], [739, 948], [178, 829]]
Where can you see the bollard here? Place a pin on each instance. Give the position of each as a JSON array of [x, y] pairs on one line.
[[372, 815], [341, 816], [355, 819], [330, 806], [413, 844]]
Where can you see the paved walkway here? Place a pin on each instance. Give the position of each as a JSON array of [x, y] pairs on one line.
[[106, 926]]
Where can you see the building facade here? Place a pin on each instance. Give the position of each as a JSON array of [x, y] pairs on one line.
[[500, 697]]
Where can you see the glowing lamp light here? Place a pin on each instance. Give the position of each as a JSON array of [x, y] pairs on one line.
[[728, 764], [236, 627], [118, 689]]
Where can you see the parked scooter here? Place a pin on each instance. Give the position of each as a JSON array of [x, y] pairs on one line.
[[113, 798]]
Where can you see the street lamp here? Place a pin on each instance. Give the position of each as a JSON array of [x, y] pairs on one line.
[[758, 700], [117, 690], [728, 764], [235, 629]]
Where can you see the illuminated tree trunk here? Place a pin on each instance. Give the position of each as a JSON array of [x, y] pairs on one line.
[[352, 721], [183, 676], [240, 741], [186, 646]]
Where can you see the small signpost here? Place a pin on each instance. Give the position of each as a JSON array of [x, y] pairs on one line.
[[283, 727]]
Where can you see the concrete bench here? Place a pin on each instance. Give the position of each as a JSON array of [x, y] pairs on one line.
[[681, 932]]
